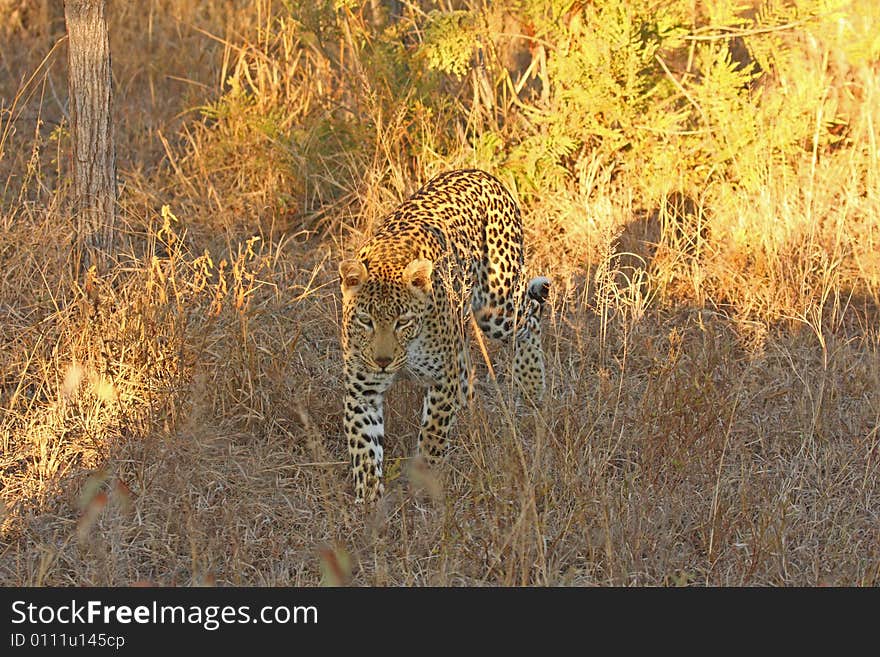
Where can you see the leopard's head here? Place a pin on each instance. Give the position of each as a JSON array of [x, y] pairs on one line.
[[381, 313]]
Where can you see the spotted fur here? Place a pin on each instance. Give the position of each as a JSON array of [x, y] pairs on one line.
[[455, 245]]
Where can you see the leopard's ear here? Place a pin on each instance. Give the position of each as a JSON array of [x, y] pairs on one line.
[[352, 274], [418, 275]]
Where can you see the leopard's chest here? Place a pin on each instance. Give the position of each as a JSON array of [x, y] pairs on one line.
[[427, 357]]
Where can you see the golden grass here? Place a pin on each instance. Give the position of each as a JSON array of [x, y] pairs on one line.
[[713, 406]]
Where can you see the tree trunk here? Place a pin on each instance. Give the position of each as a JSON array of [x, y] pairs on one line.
[[383, 12], [94, 151]]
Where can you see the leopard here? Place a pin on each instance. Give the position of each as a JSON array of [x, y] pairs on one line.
[[453, 249]]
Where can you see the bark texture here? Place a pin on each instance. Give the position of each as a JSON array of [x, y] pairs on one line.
[[89, 86]]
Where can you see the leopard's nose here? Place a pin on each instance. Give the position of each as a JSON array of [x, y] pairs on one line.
[[383, 361]]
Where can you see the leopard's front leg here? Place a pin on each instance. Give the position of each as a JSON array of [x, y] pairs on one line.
[[440, 405], [364, 430]]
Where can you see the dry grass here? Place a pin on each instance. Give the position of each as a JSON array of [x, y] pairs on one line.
[[713, 412]]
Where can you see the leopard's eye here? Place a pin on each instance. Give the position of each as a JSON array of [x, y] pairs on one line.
[[404, 322], [364, 320]]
